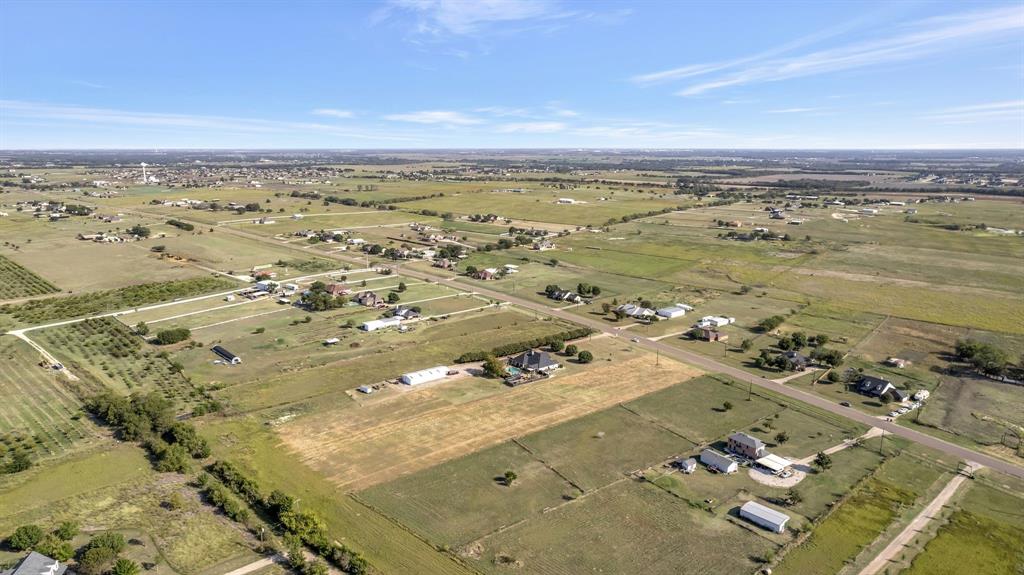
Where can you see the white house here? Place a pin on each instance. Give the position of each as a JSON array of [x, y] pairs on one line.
[[566, 201], [331, 341], [375, 324], [266, 285], [355, 241], [424, 375], [715, 321], [764, 516], [718, 461]]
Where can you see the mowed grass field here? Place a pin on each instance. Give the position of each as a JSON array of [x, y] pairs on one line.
[[41, 414]]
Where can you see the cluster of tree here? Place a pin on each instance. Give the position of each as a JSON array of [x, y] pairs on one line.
[[77, 210], [149, 418], [521, 346], [986, 358], [770, 323], [303, 527], [830, 357], [181, 225], [450, 251], [139, 230], [169, 336], [16, 462], [221, 498], [586, 289], [318, 299], [637, 216], [483, 218], [55, 544], [97, 557], [514, 231]]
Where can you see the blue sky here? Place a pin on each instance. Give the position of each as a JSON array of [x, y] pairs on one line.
[[511, 73]]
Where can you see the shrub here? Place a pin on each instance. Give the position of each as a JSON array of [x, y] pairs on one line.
[[585, 357], [25, 537], [170, 336]]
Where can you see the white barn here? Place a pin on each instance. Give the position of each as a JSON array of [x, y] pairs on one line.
[[375, 324], [764, 516], [424, 375], [718, 461], [674, 311]]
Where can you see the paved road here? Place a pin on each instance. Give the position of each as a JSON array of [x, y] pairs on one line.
[[701, 361], [914, 528]]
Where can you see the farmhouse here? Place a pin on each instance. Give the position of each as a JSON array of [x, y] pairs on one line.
[[424, 375], [338, 289], [543, 245], [534, 360], [710, 334], [226, 355], [37, 564], [406, 312], [566, 295], [674, 311], [375, 324], [878, 387], [487, 274], [369, 299], [688, 465], [746, 445], [764, 516], [717, 461]]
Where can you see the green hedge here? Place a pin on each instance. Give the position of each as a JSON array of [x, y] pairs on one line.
[[521, 346]]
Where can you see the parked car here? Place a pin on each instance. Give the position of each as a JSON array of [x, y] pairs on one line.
[[844, 403]]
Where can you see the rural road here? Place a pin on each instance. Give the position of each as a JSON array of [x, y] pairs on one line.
[[703, 362], [256, 565], [916, 526]]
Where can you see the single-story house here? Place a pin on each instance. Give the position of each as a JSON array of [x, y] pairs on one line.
[[365, 389], [534, 360], [337, 289], [266, 285], [798, 360], [718, 461], [424, 375], [878, 387], [566, 295], [355, 241], [715, 321], [774, 463], [746, 445], [636, 311], [226, 355], [406, 313], [543, 245], [37, 564], [674, 311], [764, 516], [486, 274], [375, 324]]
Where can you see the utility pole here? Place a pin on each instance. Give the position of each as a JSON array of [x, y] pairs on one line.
[[750, 390], [881, 440]]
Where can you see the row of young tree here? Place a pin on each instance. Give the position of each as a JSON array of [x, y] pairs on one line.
[[300, 527], [521, 346]]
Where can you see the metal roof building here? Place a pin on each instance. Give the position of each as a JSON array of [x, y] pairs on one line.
[[716, 460], [424, 375], [774, 463], [375, 324], [764, 516], [226, 355], [37, 564]]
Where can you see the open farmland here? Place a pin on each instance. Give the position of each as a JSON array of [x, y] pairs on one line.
[[20, 282], [419, 428]]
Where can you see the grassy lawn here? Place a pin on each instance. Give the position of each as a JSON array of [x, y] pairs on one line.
[[462, 500]]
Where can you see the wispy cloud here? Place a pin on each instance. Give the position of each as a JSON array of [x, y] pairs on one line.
[[794, 110], [1007, 110], [435, 117], [504, 111], [532, 127], [88, 84], [334, 113], [463, 18], [916, 40], [67, 114]]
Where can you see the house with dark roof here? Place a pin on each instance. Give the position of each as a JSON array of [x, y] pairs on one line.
[[37, 564], [534, 360], [369, 299], [799, 360], [877, 387]]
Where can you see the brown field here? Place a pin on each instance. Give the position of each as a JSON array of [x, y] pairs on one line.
[[418, 429]]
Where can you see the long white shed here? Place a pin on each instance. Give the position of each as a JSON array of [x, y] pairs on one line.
[[764, 516], [424, 375]]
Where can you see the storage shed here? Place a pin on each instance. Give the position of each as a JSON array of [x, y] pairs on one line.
[[375, 324], [718, 461], [424, 375], [226, 355], [764, 516]]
